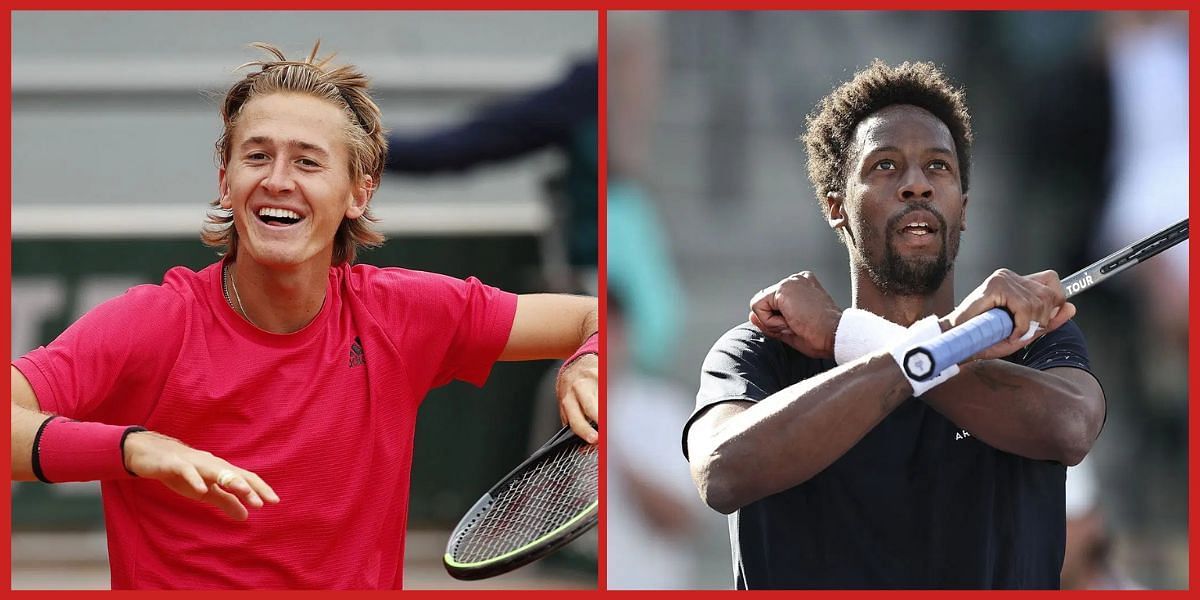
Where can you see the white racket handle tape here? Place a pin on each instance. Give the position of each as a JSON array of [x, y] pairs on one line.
[[921, 332]]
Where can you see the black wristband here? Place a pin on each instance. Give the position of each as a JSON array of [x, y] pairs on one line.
[[36, 459], [129, 430]]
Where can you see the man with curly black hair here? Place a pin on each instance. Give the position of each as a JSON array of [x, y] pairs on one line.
[[837, 470]]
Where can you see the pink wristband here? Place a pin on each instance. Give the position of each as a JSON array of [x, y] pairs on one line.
[[66, 450], [590, 346]]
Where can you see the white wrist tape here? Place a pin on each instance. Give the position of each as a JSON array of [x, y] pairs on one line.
[[862, 332], [922, 331]]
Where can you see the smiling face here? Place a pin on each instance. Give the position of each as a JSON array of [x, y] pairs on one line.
[[903, 208], [287, 180]]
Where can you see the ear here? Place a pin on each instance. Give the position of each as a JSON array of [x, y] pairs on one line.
[[223, 190], [359, 198], [963, 220], [835, 205]]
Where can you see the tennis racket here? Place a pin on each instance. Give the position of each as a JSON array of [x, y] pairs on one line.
[[991, 327], [546, 502]]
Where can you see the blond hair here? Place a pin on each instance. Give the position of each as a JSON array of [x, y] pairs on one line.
[[345, 87]]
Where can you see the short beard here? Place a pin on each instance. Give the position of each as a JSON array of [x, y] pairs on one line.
[[895, 275]]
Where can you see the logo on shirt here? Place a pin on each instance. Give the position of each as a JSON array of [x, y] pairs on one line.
[[356, 353], [962, 434]]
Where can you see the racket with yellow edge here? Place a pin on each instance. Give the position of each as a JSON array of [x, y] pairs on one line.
[[542, 505]]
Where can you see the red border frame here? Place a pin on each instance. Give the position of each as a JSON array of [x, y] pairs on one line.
[[7, 264], [601, 7], [602, 284], [1193, 417]]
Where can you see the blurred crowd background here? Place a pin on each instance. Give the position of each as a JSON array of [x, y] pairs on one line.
[[492, 174], [1081, 147]]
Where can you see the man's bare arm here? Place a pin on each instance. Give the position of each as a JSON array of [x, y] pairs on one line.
[[742, 452], [1045, 415], [550, 326], [189, 472], [555, 326], [26, 419], [1054, 414]]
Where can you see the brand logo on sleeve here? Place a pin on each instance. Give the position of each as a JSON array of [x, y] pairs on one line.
[[356, 353], [961, 434]]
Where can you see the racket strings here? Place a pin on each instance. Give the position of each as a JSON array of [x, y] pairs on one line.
[[533, 505]]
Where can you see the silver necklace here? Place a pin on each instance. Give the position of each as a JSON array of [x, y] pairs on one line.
[[237, 297], [225, 285]]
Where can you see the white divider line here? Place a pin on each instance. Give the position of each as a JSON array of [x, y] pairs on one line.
[[155, 221]]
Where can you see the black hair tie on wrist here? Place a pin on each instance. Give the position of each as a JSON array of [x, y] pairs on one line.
[[36, 459]]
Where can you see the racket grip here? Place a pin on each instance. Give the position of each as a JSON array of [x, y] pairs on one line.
[[980, 333]]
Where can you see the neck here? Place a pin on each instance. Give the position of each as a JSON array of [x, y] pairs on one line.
[[901, 309], [279, 300]]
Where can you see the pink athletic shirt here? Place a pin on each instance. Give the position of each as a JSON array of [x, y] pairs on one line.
[[325, 415]]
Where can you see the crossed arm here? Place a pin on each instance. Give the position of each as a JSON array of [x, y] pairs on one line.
[[1054, 414], [741, 452]]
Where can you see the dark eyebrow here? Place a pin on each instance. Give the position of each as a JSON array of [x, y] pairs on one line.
[[935, 150], [306, 146]]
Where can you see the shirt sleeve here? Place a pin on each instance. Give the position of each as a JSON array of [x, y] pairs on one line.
[[1063, 347], [741, 366], [443, 328], [481, 333], [111, 353]]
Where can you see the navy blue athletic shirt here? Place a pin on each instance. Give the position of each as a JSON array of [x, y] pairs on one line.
[[917, 503]]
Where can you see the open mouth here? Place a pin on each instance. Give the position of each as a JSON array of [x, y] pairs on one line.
[[917, 223], [919, 228], [279, 217]]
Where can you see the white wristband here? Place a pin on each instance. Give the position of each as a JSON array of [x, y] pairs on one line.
[[862, 332], [922, 331]]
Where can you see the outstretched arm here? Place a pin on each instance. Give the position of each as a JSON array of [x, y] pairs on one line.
[[189, 472], [26, 419], [555, 326]]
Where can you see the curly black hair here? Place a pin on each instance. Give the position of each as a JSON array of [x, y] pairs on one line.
[[831, 125]]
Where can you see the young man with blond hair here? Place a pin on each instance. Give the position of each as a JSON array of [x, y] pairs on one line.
[[283, 380]]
